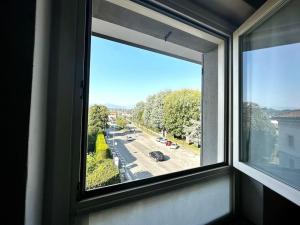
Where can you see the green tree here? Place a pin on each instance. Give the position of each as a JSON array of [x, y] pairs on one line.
[[97, 122], [193, 132], [121, 122], [138, 112], [157, 111], [148, 111], [97, 118], [152, 111], [180, 107]]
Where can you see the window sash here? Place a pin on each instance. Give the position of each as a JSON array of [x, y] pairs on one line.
[[284, 189]]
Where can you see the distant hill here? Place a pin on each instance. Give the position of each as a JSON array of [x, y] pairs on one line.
[[276, 112], [113, 106]]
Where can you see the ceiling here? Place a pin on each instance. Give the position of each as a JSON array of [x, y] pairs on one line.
[[223, 15], [112, 13], [226, 15]]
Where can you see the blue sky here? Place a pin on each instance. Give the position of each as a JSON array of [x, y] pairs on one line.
[[272, 76], [123, 75]]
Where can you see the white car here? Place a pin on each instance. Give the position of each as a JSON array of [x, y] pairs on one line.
[[158, 139], [174, 146], [130, 138]]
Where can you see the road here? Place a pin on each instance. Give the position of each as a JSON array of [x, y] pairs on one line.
[[134, 155]]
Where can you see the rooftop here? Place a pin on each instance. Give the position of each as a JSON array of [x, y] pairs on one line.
[[294, 114]]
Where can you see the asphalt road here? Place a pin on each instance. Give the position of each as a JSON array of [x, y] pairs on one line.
[[134, 155]]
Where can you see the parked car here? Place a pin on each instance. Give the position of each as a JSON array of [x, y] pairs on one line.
[[174, 146], [163, 140], [130, 138], [168, 143], [158, 139], [157, 156]]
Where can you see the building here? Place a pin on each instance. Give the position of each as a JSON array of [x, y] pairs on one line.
[[112, 116], [289, 139]]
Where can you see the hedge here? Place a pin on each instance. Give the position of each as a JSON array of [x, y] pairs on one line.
[[100, 168], [101, 173], [92, 136], [101, 148]]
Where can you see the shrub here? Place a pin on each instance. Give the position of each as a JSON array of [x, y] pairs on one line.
[[100, 169], [101, 174], [92, 136], [91, 163], [102, 150]]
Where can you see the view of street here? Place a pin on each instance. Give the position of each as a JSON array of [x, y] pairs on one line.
[[144, 117], [134, 155]]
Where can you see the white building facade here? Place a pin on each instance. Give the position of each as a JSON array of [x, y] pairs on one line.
[[289, 139]]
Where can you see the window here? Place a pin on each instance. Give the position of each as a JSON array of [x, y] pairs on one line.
[[269, 93], [291, 141], [155, 99], [144, 113]]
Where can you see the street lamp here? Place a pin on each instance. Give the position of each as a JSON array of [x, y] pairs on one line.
[[114, 138]]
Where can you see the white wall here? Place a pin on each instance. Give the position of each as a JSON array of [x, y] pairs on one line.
[[194, 205], [286, 152], [210, 108]]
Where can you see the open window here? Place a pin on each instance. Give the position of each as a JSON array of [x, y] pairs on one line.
[[153, 101], [266, 84]]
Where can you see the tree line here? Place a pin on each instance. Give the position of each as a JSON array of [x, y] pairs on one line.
[[179, 113], [174, 112]]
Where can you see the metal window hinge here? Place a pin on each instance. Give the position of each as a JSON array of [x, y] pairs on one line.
[[81, 89]]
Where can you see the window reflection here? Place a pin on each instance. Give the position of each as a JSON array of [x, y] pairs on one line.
[[270, 117]]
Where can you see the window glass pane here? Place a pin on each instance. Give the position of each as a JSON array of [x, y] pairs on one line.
[[271, 95], [146, 98]]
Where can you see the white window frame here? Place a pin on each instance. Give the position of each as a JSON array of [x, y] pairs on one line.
[[285, 190]]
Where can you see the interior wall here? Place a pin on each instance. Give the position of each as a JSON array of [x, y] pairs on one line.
[[38, 112], [195, 204], [250, 199], [259, 205], [278, 210]]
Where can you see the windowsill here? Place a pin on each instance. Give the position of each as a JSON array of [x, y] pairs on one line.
[[276, 185], [98, 202]]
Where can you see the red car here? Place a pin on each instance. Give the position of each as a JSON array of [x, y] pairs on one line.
[[168, 143]]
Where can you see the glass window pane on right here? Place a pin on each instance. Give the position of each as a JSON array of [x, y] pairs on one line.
[[270, 95]]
